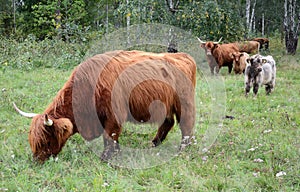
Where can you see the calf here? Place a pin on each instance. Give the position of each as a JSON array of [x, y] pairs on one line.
[[239, 60], [260, 70]]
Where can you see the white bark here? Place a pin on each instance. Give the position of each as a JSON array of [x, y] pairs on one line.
[[251, 22], [248, 3], [291, 26], [106, 18], [285, 22], [14, 7], [171, 5], [263, 25]]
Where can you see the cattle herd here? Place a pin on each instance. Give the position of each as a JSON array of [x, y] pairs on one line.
[[111, 88], [258, 70]]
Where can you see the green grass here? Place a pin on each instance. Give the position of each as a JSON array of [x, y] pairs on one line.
[[227, 166]]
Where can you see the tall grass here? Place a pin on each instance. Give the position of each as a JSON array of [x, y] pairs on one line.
[[261, 141]]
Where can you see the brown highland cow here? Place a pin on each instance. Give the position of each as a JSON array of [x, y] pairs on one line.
[[109, 89]]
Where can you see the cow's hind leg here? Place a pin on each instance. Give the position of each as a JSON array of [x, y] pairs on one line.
[[163, 131], [186, 123], [269, 88]]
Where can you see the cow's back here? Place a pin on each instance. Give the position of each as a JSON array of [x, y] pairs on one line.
[[131, 81]]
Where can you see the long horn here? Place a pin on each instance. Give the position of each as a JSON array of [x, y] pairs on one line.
[[200, 40], [30, 115], [48, 121], [218, 41]]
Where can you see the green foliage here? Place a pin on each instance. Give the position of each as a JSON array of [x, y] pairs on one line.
[[73, 20], [30, 54], [210, 20], [63, 18]]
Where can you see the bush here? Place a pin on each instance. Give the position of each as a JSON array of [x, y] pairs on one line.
[[29, 53]]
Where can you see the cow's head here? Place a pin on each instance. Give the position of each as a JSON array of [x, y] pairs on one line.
[[236, 56], [47, 135], [209, 46], [255, 66]]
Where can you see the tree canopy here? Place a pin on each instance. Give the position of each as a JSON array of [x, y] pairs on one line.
[[72, 20]]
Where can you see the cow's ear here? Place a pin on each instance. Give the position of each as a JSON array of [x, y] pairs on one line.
[[251, 61], [264, 60], [202, 45], [231, 56], [63, 129], [242, 54]]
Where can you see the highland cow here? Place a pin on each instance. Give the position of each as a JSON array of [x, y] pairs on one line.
[[263, 42], [250, 47], [219, 55], [109, 89]]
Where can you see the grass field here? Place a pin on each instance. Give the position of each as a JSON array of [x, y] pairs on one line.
[[262, 141]]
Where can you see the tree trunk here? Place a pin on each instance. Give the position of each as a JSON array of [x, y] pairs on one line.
[[106, 20], [58, 20], [291, 29], [248, 3], [128, 24], [14, 7], [263, 25], [252, 20]]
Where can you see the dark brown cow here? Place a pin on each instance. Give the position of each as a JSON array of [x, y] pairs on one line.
[[239, 62], [264, 42], [111, 88], [219, 55], [248, 46]]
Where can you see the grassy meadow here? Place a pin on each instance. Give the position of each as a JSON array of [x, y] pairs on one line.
[[258, 150]]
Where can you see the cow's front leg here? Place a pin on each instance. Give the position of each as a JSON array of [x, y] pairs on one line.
[[247, 88], [255, 88], [111, 143], [230, 68]]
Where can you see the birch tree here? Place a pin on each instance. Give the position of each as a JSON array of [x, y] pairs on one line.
[[250, 18], [291, 25]]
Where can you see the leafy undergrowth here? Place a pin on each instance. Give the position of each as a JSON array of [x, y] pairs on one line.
[[257, 150]]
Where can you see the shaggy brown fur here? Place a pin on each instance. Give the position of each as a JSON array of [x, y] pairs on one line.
[[248, 46], [108, 89], [219, 55], [264, 42]]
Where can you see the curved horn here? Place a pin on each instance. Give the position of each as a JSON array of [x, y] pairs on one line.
[[200, 40], [218, 41], [47, 121], [30, 115]]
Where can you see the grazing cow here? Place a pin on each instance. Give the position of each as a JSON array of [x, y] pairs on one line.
[[262, 42], [219, 55], [248, 46], [239, 60], [260, 70], [109, 89]]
